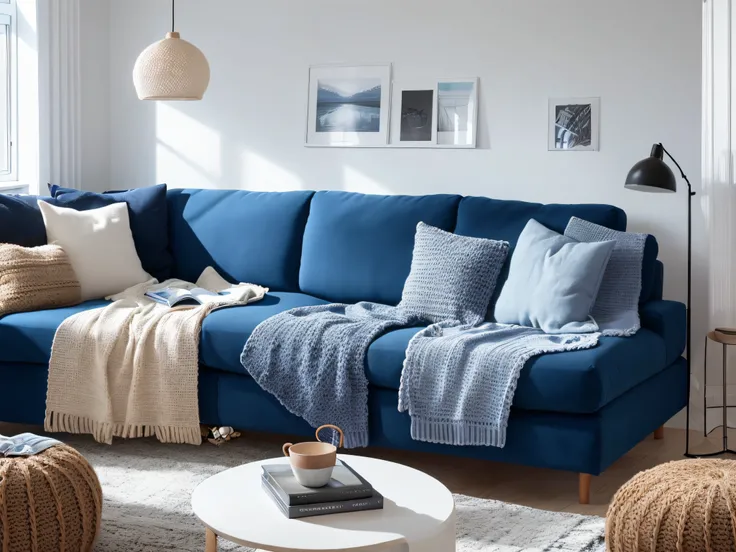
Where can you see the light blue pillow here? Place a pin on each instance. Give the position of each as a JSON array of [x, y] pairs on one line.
[[553, 281], [452, 277]]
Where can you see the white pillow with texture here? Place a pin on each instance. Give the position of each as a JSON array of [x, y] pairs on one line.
[[100, 246]]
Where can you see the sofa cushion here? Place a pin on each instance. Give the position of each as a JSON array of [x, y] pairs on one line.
[[578, 382], [225, 331], [253, 237], [358, 247], [27, 336], [21, 222]]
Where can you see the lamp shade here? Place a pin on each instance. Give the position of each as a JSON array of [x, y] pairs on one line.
[[171, 69], [652, 174]]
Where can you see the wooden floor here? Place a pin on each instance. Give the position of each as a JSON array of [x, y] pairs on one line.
[[538, 488]]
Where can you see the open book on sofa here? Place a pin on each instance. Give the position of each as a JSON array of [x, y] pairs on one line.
[[175, 296]]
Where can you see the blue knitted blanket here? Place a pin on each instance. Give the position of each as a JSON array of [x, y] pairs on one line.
[[458, 381], [312, 360]]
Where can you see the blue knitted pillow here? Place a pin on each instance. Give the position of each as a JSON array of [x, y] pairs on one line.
[[616, 308], [452, 277]]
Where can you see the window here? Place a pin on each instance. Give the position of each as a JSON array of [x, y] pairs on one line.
[[8, 108]]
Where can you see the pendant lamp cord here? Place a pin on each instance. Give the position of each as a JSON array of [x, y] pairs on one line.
[[173, 11]]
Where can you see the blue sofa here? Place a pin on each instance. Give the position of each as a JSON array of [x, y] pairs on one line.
[[577, 411]]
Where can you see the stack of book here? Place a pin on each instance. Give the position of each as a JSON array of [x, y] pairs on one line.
[[347, 491]]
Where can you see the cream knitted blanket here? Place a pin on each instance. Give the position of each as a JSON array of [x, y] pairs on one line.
[[130, 369]]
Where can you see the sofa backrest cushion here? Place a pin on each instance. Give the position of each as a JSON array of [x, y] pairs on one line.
[[253, 237], [504, 220], [359, 247], [21, 222]]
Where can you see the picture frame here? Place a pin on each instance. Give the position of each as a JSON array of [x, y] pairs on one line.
[[414, 122], [457, 112], [349, 105], [574, 124]]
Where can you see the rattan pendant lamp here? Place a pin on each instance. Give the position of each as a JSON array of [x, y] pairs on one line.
[[171, 69]]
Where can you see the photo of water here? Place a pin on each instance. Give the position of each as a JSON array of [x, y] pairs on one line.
[[348, 105]]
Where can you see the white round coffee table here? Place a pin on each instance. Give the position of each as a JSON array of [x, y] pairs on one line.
[[418, 513]]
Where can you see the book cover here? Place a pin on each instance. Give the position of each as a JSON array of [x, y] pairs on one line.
[[344, 484], [374, 502]]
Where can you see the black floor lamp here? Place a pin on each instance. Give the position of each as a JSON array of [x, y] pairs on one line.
[[654, 175]]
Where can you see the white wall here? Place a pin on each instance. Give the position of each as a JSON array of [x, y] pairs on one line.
[[94, 54], [642, 57]]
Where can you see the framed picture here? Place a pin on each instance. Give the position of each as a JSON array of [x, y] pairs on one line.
[[414, 122], [457, 112], [349, 105], [574, 124]]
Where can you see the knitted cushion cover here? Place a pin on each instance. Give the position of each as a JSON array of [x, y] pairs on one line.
[[687, 505], [50, 501], [452, 277], [33, 278]]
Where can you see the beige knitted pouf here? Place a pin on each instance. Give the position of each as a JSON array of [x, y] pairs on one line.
[[49, 502], [686, 506]]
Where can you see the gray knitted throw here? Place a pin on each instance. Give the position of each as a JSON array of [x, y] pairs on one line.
[[458, 381], [311, 359]]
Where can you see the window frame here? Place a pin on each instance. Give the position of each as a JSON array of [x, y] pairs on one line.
[[9, 8]]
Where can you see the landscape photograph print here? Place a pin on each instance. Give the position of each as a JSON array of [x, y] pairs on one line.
[[349, 105]]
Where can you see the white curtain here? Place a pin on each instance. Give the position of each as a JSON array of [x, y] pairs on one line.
[[718, 200], [59, 92]]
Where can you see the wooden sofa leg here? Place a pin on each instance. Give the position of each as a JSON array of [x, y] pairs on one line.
[[584, 488], [659, 433]]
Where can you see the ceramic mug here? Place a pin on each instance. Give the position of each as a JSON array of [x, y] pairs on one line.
[[312, 462]]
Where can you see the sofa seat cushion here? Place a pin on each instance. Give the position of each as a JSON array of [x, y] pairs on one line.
[[579, 382], [225, 331], [28, 336]]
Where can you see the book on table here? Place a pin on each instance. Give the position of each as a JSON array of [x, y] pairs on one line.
[[347, 491]]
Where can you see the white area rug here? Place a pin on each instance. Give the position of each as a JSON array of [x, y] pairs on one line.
[[147, 487]]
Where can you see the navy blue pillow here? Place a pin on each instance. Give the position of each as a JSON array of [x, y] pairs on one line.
[[148, 222], [55, 190], [21, 222]]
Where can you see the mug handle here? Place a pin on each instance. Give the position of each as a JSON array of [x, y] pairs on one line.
[[342, 436], [285, 448]]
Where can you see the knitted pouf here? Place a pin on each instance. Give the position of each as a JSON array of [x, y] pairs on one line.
[[688, 505], [49, 502]]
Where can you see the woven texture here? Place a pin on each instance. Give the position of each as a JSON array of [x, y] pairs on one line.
[[131, 369], [688, 506], [171, 69], [311, 359], [452, 277], [616, 308], [458, 381], [49, 502], [33, 278]]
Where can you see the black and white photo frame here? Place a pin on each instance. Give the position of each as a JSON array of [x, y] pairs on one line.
[[437, 114], [574, 124]]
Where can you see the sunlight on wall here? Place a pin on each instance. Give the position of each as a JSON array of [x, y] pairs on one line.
[[188, 153], [262, 175], [356, 181]]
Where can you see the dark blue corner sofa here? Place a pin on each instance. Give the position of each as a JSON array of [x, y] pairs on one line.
[[577, 411]]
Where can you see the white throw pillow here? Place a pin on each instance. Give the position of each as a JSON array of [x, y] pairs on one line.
[[100, 246]]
